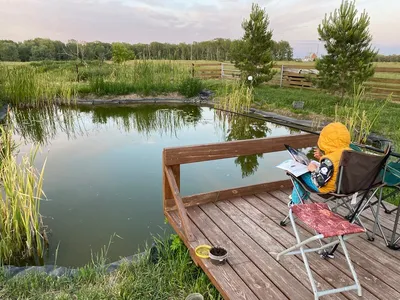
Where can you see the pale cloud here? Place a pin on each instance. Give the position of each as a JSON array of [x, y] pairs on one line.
[[183, 20]]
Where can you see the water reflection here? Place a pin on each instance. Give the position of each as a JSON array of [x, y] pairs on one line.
[[240, 128], [41, 126]]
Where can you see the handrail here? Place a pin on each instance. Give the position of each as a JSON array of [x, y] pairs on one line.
[[179, 203], [216, 151]]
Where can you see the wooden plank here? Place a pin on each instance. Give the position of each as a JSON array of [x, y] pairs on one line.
[[261, 235], [224, 278], [209, 70], [168, 199], [233, 192], [300, 66], [207, 65], [387, 70], [384, 80], [178, 201], [206, 152], [326, 275], [382, 91], [268, 265], [378, 277]]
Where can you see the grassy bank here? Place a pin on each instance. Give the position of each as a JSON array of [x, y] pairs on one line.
[[41, 83], [172, 276], [320, 106]]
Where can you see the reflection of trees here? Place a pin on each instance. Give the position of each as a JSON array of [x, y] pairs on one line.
[[42, 125], [242, 128], [147, 119]]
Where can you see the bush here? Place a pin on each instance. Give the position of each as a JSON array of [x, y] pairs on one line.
[[190, 87]]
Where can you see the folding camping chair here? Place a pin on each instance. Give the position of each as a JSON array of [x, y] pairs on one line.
[[391, 178], [358, 173], [359, 176]]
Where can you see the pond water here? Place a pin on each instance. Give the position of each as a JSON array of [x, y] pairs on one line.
[[103, 172]]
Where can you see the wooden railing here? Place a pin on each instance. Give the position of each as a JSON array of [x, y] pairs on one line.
[[174, 157]]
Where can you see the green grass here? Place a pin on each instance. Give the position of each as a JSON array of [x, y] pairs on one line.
[[22, 237], [42, 83], [174, 276], [320, 106]]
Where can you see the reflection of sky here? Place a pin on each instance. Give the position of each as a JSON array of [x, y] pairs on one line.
[[109, 181]]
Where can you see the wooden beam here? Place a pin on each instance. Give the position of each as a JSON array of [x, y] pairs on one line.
[[207, 152], [384, 80], [387, 70], [179, 203], [168, 198], [233, 192]]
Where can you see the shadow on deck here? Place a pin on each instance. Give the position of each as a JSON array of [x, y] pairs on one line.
[[246, 220]]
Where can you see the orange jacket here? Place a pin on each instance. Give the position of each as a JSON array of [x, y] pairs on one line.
[[333, 139]]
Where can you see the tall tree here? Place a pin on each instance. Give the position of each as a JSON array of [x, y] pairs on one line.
[[252, 55], [8, 51], [121, 52], [350, 56]]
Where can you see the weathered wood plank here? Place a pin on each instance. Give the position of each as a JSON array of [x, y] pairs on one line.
[[251, 225], [199, 153], [168, 199], [224, 278], [387, 70], [269, 266], [178, 201], [250, 274], [375, 276], [326, 274], [379, 90], [384, 80], [233, 192]]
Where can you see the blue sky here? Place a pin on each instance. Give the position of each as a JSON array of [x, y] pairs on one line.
[[185, 21]]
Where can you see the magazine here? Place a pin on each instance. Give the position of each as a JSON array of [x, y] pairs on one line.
[[298, 165], [298, 156]]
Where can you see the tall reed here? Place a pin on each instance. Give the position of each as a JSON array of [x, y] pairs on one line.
[[357, 116], [234, 96], [21, 231], [27, 86]]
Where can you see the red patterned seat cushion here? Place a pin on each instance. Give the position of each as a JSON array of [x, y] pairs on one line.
[[319, 217]]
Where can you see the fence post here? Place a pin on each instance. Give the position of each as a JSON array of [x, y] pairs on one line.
[[222, 70], [192, 70], [281, 76]]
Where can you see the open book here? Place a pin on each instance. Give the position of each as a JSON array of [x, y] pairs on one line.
[[298, 164]]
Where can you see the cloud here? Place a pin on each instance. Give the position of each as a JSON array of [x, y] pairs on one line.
[[178, 20]]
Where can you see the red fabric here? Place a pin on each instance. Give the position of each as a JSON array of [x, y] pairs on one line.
[[319, 217]]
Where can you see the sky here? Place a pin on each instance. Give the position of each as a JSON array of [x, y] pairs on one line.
[[175, 21]]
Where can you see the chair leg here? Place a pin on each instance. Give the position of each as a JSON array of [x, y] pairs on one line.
[[353, 272], [305, 260]]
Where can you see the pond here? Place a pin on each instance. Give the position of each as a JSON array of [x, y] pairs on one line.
[[103, 171]]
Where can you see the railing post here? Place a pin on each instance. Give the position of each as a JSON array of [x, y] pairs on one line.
[[281, 76], [168, 196]]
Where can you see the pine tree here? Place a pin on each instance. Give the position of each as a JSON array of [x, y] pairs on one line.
[[253, 53], [350, 56]]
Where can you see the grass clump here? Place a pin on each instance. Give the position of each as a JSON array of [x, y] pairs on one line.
[[190, 87], [172, 275], [357, 118], [234, 96], [22, 235]]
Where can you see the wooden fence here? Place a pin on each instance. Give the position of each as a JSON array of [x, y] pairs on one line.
[[215, 71], [298, 76], [379, 86]]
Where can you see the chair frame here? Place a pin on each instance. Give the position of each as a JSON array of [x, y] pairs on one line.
[[300, 245]]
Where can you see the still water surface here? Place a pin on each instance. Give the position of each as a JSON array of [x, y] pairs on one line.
[[103, 172]]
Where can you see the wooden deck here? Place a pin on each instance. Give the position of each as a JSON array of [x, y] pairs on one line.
[[245, 221]]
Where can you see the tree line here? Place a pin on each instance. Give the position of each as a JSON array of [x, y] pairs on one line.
[[39, 49]]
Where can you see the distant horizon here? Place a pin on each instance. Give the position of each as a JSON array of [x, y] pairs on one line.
[[175, 21]]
